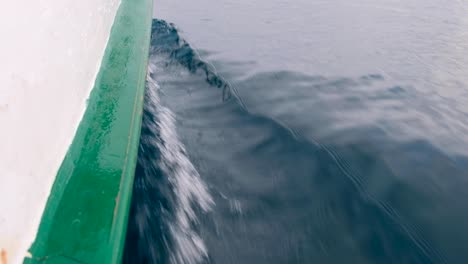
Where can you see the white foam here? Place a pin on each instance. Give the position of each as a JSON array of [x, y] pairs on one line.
[[190, 190]]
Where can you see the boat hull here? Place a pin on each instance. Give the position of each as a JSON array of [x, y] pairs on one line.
[[72, 116]]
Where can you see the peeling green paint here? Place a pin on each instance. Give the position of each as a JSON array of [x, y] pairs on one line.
[[85, 218]]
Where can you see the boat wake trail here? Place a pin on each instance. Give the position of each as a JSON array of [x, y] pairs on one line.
[[303, 167], [165, 39], [168, 193]]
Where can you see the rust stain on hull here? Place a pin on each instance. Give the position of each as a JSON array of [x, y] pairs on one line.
[[3, 257]]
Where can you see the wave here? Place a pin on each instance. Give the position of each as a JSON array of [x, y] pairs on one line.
[[167, 193], [165, 39]]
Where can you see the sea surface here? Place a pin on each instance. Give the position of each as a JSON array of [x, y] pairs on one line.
[[304, 131]]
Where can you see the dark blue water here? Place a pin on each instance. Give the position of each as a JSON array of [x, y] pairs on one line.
[[304, 132]]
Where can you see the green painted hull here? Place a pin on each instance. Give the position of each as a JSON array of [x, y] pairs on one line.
[[86, 215]]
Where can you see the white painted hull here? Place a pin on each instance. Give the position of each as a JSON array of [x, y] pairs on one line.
[[51, 51]]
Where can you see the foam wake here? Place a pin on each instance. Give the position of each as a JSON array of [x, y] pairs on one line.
[[167, 193]]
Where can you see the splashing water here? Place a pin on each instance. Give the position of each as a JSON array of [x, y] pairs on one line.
[[168, 191]]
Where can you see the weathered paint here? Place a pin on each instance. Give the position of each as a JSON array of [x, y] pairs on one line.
[[50, 53], [86, 214]]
